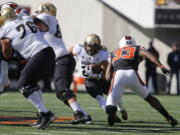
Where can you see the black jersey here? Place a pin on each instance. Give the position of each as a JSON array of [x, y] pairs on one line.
[[126, 58]]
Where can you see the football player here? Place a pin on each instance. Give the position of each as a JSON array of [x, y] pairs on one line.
[[18, 33], [65, 63], [92, 57], [122, 69], [4, 79]]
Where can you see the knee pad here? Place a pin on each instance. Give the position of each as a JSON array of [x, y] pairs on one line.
[[111, 109], [65, 95], [28, 90]]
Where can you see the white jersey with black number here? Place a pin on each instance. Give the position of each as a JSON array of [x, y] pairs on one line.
[[84, 59], [25, 37], [53, 35]]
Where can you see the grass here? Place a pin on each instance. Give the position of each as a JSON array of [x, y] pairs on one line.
[[142, 118]]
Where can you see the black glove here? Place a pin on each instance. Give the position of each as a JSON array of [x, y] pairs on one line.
[[165, 70]]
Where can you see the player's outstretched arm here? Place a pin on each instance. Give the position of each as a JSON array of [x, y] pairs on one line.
[[155, 60]]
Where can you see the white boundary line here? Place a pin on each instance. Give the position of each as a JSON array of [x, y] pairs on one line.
[[70, 132], [33, 133]]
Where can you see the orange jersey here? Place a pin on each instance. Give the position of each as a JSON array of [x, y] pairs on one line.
[[126, 58]]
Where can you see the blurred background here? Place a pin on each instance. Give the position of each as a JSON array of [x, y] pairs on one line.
[[145, 20]]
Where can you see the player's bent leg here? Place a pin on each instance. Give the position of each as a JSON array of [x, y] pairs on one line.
[[69, 98], [45, 116], [155, 103]]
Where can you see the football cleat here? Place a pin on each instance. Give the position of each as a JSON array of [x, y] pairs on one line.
[[111, 112], [35, 124], [4, 89], [80, 118], [117, 119], [111, 119], [46, 119], [124, 114], [173, 122]]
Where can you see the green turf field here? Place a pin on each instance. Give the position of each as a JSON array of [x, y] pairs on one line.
[[142, 118]]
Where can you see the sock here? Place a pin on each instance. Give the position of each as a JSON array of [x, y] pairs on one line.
[[37, 102], [101, 101], [164, 113], [120, 105], [75, 106], [40, 94]]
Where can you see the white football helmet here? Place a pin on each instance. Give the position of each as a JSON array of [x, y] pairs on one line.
[[10, 5], [7, 14], [48, 8], [21, 12], [127, 41]]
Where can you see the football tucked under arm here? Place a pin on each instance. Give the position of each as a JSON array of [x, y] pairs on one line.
[[99, 68], [96, 69]]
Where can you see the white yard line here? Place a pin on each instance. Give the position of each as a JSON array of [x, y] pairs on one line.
[[109, 132], [36, 133], [70, 132]]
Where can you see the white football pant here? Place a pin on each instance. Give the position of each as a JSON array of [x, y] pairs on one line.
[[4, 79], [125, 79]]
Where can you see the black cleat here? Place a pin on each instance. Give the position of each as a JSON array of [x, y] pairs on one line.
[[173, 122], [46, 119], [38, 120], [88, 119], [4, 89], [80, 118], [111, 119], [111, 112], [117, 119], [124, 114]]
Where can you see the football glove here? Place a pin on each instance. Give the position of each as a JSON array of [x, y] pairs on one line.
[[165, 70]]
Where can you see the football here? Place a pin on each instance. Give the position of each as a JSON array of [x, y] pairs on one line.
[[96, 68]]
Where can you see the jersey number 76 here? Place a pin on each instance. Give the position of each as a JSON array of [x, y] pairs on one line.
[[22, 28]]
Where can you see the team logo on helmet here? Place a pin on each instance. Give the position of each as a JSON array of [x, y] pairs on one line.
[[127, 41], [48, 8]]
